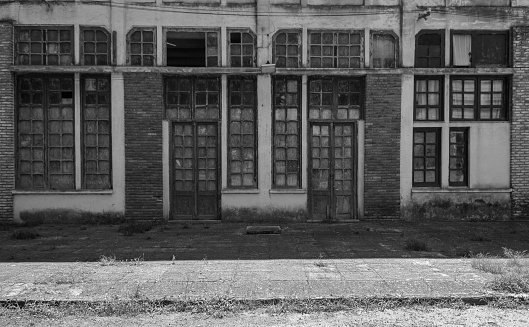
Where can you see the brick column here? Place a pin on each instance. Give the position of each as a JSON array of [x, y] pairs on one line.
[[143, 146], [7, 127], [382, 147], [520, 124]]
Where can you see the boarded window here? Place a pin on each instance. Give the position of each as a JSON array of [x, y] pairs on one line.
[[335, 98], [287, 49], [458, 157], [426, 156], [192, 98], [96, 147], [44, 45], [429, 49], [192, 49], [45, 133], [428, 98], [242, 167], [336, 49], [479, 98], [242, 49], [142, 47], [480, 49], [286, 129], [95, 49], [384, 54]]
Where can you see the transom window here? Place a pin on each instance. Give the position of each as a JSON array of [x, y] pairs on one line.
[[242, 168], [192, 98], [336, 49], [44, 45], [429, 49], [428, 98], [287, 49], [142, 46], [480, 48], [335, 98], [478, 98], [190, 48], [95, 49], [383, 50], [242, 49], [458, 175], [426, 156]]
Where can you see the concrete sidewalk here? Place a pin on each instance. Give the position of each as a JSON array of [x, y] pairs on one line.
[[243, 279]]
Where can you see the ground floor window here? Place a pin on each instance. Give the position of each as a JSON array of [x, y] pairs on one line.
[[458, 157], [426, 156]]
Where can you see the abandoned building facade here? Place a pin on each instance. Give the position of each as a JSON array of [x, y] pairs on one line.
[[312, 109]]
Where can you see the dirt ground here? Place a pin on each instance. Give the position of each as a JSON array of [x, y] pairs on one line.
[[382, 239]]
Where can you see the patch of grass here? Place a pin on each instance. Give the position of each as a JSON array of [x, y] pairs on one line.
[[107, 260], [443, 209], [24, 234], [487, 263], [135, 228], [479, 238], [112, 261], [416, 245]]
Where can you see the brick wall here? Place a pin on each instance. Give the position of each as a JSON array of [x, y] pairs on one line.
[[520, 125], [143, 146], [382, 147], [7, 133]]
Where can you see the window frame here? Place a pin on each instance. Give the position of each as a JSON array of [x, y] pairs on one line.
[[335, 94], [300, 138], [441, 80], [443, 47], [465, 156], [154, 43], [438, 164], [299, 47], [19, 28], [336, 56], [395, 43], [254, 45], [84, 28], [477, 96], [205, 31], [473, 34]]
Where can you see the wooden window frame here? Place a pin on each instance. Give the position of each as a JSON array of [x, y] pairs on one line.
[[287, 44], [142, 54], [465, 156], [438, 144], [44, 44], [241, 133], [242, 44], [82, 43], [335, 45], [477, 96], [440, 106], [473, 34], [165, 30], [84, 131], [335, 95], [299, 115], [441, 33], [395, 43]]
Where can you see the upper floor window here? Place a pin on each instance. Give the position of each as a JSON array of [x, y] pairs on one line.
[[287, 49], [429, 98], [44, 45], [383, 50], [336, 49], [142, 46], [480, 49], [95, 46], [241, 49], [191, 48], [429, 49]]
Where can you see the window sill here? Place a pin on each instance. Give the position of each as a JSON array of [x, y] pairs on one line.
[[461, 189], [288, 191], [240, 191], [55, 192]]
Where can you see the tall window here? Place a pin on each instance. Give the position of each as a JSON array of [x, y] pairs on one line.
[[242, 49], [426, 156], [479, 98], [336, 49], [186, 48], [44, 45], [242, 167], [480, 48], [95, 46], [45, 133], [287, 49], [96, 147], [429, 49], [458, 157], [142, 46], [286, 129], [428, 98], [384, 50]]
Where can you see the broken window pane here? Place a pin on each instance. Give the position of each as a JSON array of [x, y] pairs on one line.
[[192, 49], [241, 46]]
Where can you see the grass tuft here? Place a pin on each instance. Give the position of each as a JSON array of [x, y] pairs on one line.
[[24, 234], [135, 228], [416, 245]]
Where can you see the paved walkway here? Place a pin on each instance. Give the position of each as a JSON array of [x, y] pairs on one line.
[[242, 279]]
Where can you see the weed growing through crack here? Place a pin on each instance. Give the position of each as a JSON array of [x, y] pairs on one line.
[[320, 263]]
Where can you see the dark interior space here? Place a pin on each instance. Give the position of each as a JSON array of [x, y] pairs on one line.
[[186, 49]]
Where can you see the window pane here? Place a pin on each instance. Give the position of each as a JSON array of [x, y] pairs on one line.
[[426, 157]]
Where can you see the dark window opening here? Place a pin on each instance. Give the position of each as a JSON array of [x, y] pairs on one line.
[[429, 51], [480, 49], [241, 49], [192, 49]]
